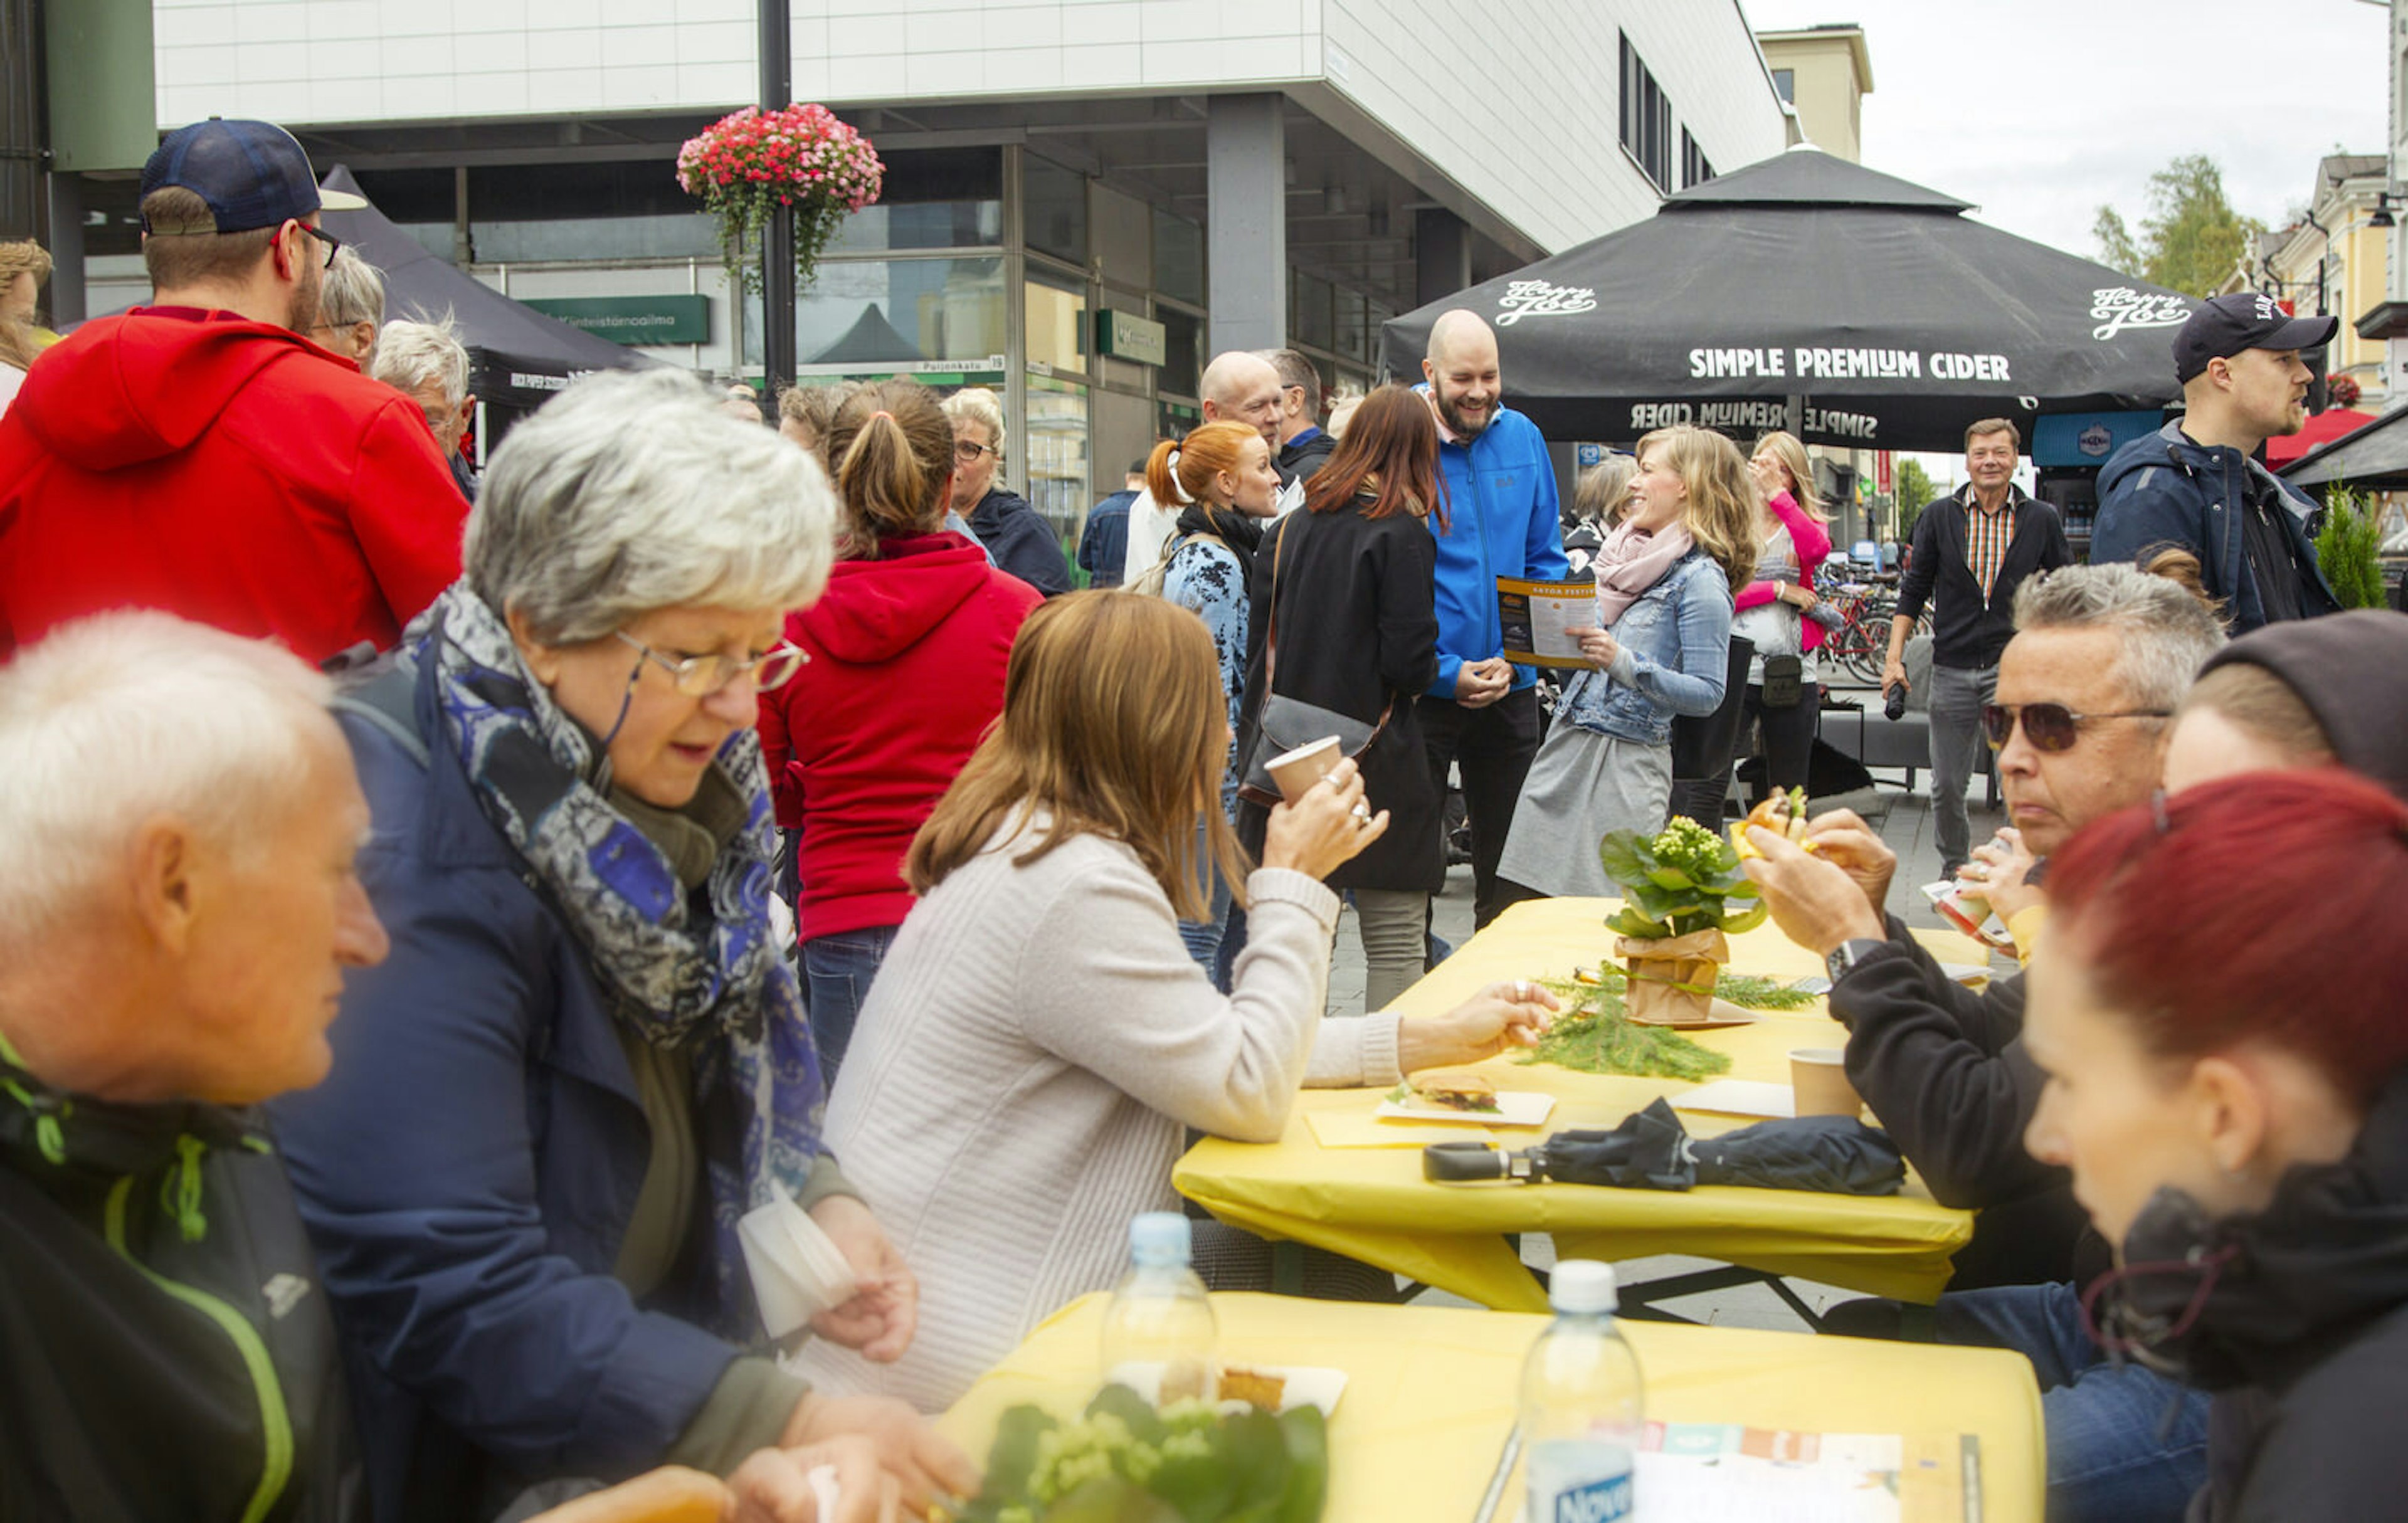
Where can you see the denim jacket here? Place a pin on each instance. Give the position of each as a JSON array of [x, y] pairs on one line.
[[1674, 659]]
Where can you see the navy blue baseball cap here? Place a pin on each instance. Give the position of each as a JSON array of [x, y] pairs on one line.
[[252, 175], [2223, 326]]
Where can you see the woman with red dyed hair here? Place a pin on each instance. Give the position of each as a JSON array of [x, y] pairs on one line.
[[2215, 1003]]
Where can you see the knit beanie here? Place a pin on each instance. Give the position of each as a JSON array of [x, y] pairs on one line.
[[2351, 669]]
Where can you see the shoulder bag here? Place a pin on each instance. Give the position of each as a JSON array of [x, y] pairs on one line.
[[1285, 724]]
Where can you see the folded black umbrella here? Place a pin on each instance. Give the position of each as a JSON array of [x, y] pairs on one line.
[[1653, 1151]]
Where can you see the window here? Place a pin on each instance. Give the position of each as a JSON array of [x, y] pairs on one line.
[[1646, 119], [882, 316], [932, 198], [1696, 168], [1057, 485], [1311, 318], [1057, 322], [1053, 208], [1785, 84], [1178, 257], [1183, 348]]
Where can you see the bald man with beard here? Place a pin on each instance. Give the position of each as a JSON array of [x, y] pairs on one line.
[[1481, 716]]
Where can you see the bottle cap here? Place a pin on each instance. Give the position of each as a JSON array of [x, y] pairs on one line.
[[1581, 1286], [1160, 1237]]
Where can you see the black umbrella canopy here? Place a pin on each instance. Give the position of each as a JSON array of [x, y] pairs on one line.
[[870, 340], [1896, 320], [2373, 455], [517, 354]]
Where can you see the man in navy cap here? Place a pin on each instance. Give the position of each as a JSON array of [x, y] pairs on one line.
[[2194, 486], [200, 455]]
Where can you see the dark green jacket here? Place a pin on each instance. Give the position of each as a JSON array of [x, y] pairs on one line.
[[166, 1351]]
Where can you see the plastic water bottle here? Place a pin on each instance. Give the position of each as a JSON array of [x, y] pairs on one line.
[[1159, 1316], [1580, 1412]]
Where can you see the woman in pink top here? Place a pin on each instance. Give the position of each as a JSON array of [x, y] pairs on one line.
[[1772, 610]]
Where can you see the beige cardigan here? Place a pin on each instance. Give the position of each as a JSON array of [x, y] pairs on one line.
[[1024, 1072]]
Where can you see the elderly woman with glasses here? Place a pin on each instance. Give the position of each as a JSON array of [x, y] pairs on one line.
[[1016, 539], [587, 1058]]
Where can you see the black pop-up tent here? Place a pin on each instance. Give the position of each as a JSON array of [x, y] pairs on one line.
[[517, 357], [1887, 316], [2373, 457]]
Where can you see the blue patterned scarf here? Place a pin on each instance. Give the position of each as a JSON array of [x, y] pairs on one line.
[[669, 973]]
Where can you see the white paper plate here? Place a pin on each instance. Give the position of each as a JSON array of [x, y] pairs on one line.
[[1514, 1108], [1308, 1385]]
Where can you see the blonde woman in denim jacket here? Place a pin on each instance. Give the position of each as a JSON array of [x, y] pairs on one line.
[[1661, 648]]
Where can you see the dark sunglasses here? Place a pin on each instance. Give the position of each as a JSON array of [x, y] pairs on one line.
[[2049, 726]]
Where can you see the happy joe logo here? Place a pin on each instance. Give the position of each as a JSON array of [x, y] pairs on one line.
[[2119, 307], [1542, 298]]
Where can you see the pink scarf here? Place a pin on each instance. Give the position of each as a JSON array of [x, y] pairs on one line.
[[1630, 562]]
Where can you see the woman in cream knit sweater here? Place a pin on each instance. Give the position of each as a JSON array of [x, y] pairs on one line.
[[1039, 1040]]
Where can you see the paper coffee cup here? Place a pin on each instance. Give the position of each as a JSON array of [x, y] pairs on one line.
[[1298, 769], [1821, 1083]]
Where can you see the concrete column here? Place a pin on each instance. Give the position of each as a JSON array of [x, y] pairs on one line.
[[64, 298], [1441, 254], [1245, 219]]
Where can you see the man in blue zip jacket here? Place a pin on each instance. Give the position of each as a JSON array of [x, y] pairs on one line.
[[1482, 713], [2193, 485]]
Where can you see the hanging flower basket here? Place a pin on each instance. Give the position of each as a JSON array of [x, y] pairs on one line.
[[746, 165]]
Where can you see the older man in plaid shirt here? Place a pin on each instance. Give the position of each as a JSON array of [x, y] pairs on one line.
[[1972, 549]]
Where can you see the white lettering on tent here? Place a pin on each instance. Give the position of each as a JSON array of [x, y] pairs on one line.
[[1946, 365], [1716, 363], [2119, 307], [1542, 298], [1859, 363], [1851, 425]]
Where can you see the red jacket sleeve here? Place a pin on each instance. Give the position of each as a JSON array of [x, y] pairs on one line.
[[777, 749], [405, 511]]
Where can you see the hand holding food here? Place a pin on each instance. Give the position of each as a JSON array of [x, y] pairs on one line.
[[1842, 838], [1816, 903], [1503, 1015], [1783, 813], [1997, 871]]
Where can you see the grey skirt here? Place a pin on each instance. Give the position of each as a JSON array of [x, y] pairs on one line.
[[1583, 784]]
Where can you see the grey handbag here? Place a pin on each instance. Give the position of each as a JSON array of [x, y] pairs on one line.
[[1285, 724]]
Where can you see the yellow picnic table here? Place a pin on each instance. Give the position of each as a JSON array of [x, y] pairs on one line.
[[1341, 1180], [1430, 1394]]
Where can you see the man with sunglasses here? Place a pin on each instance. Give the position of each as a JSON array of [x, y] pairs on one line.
[[2100, 657], [200, 454]]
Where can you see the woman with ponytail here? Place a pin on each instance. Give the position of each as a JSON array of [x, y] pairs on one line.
[[907, 650], [1222, 482]]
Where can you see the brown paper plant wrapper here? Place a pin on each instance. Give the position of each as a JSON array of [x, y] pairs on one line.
[[1673, 979]]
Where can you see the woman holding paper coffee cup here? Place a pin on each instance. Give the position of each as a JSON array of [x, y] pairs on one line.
[[586, 1059], [1040, 1044], [1660, 648], [1346, 621]]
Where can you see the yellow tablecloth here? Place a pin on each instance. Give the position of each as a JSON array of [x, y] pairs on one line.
[[1372, 1204], [1430, 1394]]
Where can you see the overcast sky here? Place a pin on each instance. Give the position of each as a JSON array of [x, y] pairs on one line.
[[2040, 112]]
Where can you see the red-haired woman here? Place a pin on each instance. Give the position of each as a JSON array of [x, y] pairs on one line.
[[1345, 618], [2216, 1007]]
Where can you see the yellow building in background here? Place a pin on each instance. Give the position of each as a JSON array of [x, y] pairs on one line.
[[1826, 73], [2336, 260]]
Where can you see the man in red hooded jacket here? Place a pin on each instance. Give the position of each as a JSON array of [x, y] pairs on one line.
[[200, 455]]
